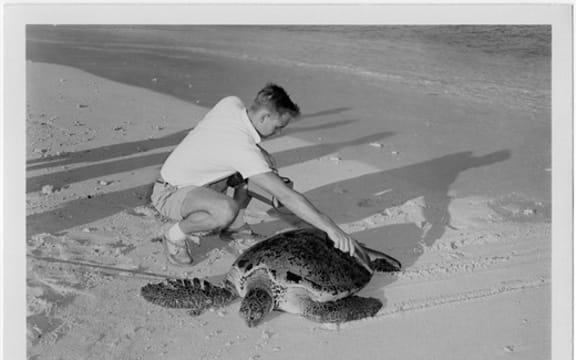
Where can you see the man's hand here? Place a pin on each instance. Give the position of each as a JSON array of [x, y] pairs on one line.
[[343, 241]]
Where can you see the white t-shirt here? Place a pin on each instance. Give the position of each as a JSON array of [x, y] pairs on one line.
[[223, 143]]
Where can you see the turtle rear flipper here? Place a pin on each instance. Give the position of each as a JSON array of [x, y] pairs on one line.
[[346, 309], [196, 295]]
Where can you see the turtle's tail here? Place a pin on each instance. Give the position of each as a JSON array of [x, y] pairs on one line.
[[196, 295]]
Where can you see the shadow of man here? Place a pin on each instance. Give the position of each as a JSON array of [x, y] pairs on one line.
[[361, 197]]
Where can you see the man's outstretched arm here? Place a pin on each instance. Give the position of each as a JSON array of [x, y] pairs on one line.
[[304, 209]]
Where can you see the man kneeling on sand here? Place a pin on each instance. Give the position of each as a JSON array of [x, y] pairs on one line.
[[195, 177]]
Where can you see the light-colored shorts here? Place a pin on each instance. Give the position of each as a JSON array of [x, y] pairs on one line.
[[168, 199]]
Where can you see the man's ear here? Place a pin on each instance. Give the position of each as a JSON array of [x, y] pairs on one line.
[[264, 115]]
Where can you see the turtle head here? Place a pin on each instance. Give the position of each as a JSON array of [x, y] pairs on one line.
[[257, 303]]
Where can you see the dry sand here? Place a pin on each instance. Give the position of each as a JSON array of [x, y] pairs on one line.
[[436, 180]]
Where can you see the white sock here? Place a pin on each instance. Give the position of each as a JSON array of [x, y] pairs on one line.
[[175, 234]]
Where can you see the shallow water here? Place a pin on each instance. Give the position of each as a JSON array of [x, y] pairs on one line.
[[522, 41]]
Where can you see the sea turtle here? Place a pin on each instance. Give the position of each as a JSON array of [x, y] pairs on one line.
[[297, 271]]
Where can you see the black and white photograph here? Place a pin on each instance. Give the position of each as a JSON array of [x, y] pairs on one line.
[[273, 186]]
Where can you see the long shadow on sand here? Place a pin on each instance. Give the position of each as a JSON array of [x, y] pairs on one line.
[[64, 178], [129, 148], [361, 197], [87, 209], [108, 152], [325, 112], [82, 211], [299, 129], [306, 153]]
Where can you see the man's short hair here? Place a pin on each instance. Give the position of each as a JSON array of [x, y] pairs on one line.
[[275, 98]]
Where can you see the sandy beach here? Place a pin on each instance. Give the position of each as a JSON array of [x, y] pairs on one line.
[[431, 144]]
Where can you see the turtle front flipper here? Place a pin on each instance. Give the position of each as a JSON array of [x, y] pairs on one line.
[[384, 262], [387, 264], [196, 295], [346, 309]]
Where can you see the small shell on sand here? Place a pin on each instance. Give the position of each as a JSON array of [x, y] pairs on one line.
[[47, 189], [339, 190], [213, 334], [266, 335], [376, 144], [529, 212]]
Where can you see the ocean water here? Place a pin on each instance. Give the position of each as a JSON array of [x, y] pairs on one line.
[[493, 64], [522, 41]]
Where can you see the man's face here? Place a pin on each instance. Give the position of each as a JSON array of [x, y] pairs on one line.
[[273, 123]]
